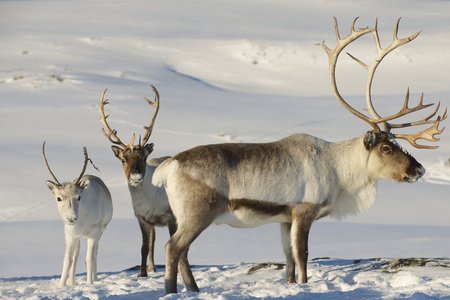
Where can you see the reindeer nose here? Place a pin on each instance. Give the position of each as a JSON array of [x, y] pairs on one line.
[[421, 171], [72, 220], [136, 178]]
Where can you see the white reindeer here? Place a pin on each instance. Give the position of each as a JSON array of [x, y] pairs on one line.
[[150, 203], [293, 181], [86, 208]]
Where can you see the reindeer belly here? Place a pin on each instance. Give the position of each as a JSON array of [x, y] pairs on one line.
[[244, 213]]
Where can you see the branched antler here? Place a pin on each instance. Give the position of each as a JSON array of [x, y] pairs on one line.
[[111, 134], [333, 57], [427, 134], [86, 159]]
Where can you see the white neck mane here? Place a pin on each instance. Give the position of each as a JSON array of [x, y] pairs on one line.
[[361, 187]]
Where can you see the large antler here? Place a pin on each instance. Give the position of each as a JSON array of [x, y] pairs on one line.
[[112, 133], [333, 55], [48, 167]]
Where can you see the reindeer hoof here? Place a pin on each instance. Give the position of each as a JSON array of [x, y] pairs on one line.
[[301, 281], [143, 274], [290, 280]]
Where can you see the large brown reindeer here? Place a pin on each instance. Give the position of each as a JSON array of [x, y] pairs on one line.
[[150, 203], [293, 181]]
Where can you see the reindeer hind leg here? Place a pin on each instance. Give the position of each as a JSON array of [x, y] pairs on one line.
[[177, 248], [194, 211], [176, 255], [90, 259]]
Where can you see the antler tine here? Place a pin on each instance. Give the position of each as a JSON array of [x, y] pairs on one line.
[[86, 159], [149, 128], [112, 133], [427, 134], [407, 110], [336, 28], [48, 167], [395, 43]]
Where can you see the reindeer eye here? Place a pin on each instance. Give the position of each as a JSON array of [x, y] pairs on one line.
[[58, 199], [386, 148]]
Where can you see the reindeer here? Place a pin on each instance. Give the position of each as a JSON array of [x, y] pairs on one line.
[[150, 203], [293, 181], [85, 206]]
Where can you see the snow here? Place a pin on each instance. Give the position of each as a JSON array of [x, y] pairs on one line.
[[227, 71]]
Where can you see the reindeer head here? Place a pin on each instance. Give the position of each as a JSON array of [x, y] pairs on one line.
[[68, 194], [133, 157], [134, 162], [387, 159]]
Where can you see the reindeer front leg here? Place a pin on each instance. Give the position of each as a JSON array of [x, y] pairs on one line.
[[90, 259], [68, 260], [290, 262], [151, 250], [73, 267], [303, 215], [147, 246]]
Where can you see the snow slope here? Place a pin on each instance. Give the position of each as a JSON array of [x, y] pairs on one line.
[[226, 71]]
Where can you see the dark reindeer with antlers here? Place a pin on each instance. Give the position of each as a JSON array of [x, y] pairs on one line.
[[293, 181], [85, 206], [150, 203]]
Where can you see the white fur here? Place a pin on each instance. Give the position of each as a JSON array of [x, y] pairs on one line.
[[135, 179], [83, 218], [149, 201], [245, 218]]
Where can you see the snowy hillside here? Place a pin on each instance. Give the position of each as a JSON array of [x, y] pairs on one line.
[[227, 71]]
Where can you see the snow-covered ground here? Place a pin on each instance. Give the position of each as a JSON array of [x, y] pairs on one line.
[[227, 71]]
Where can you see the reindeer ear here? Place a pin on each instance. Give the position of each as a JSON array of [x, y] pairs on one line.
[[51, 185], [83, 185], [118, 152], [370, 139], [148, 149]]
